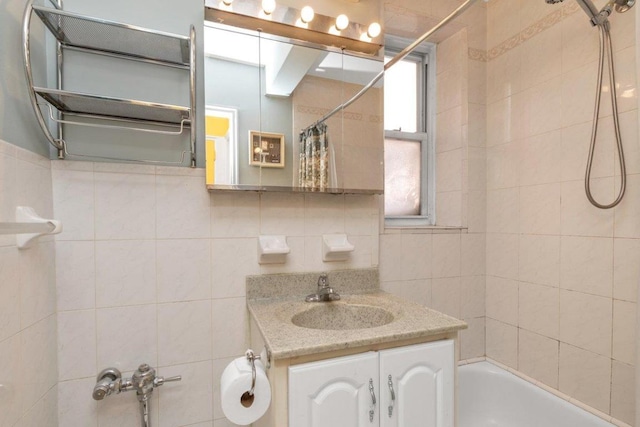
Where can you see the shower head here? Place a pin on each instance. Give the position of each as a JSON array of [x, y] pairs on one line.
[[599, 17]]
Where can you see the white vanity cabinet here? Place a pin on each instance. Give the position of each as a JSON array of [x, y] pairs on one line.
[[413, 387], [334, 392]]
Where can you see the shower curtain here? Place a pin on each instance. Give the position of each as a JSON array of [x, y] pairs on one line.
[[313, 172]]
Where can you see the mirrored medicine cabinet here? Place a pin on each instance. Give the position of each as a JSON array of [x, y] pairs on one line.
[[264, 96]]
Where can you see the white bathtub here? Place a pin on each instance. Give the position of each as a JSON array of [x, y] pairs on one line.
[[492, 397]]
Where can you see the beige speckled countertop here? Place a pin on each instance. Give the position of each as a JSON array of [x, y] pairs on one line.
[[286, 340]]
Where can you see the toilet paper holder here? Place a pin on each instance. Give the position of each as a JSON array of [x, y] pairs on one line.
[[265, 356]]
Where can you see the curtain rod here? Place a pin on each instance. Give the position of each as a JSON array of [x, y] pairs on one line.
[[399, 57]]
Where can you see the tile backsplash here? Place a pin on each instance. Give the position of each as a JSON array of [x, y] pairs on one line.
[[28, 344], [153, 269]]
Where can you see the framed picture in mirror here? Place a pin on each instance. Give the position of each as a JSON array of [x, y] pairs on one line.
[[266, 149]]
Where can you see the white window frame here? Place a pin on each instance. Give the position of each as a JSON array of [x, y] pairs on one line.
[[426, 54]]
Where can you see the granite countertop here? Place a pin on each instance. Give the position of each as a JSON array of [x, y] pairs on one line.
[[285, 340]]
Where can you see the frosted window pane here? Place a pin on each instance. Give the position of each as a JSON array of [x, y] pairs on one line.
[[401, 96], [402, 177]]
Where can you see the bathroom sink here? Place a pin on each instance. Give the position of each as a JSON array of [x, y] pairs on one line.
[[338, 316]]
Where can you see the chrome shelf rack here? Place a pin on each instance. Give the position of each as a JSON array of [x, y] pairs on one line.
[[97, 36]]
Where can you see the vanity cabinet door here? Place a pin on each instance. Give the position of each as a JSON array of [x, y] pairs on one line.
[[335, 392], [422, 380]]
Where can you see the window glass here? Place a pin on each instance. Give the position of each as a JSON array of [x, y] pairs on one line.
[[401, 96], [402, 177]]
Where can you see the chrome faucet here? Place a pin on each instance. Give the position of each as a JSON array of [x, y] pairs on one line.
[[325, 292], [143, 381]]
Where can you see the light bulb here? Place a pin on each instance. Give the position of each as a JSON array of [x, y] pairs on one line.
[[374, 30], [268, 6], [342, 22], [307, 14]]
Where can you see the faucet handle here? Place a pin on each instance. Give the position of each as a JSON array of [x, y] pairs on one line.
[[323, 281], [158, 381]]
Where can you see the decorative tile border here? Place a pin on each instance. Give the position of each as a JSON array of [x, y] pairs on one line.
[[545, 23], [306, 109], [478, 55]]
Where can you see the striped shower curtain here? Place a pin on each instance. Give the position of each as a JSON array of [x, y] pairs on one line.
[[313, 172]]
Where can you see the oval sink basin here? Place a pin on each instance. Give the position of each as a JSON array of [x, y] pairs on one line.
[[331, 316]]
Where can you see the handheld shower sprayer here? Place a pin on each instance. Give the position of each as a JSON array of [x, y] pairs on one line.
[[600, 19]]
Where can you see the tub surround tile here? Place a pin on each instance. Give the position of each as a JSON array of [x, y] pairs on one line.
[[625, 269], [586, 321], [419, 291], [502, 255], [540, 259], [623, 390], [502, 342], [593, 389], [579, 217], [624, 332], [472, 339], [417, 260], [502, 212], [446, 259], [586, 265], [472, 297], [540, 208], [576, 139], [445, 296], [629, 210], [538, 357], [502, 300], [539, 309]]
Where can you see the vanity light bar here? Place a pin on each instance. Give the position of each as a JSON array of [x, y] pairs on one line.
[[297, 24]]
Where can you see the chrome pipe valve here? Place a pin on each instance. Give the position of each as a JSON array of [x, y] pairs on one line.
[[143, 381]]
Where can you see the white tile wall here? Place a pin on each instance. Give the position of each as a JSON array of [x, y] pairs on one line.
[[574, 267], [150, 267], [160, 279], [28, 339]]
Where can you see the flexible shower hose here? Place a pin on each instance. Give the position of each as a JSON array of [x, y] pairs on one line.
[[605, 41]]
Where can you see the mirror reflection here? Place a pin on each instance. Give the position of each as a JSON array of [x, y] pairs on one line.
[[264, 97]]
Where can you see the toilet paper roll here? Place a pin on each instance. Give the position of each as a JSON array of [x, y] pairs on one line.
[[235, 382]]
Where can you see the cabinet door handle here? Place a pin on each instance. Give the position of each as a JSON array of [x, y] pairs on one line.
[[393, 396], [372, 410]]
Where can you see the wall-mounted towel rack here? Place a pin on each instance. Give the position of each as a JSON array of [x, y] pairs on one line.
[[29, 226], [81, 33]]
